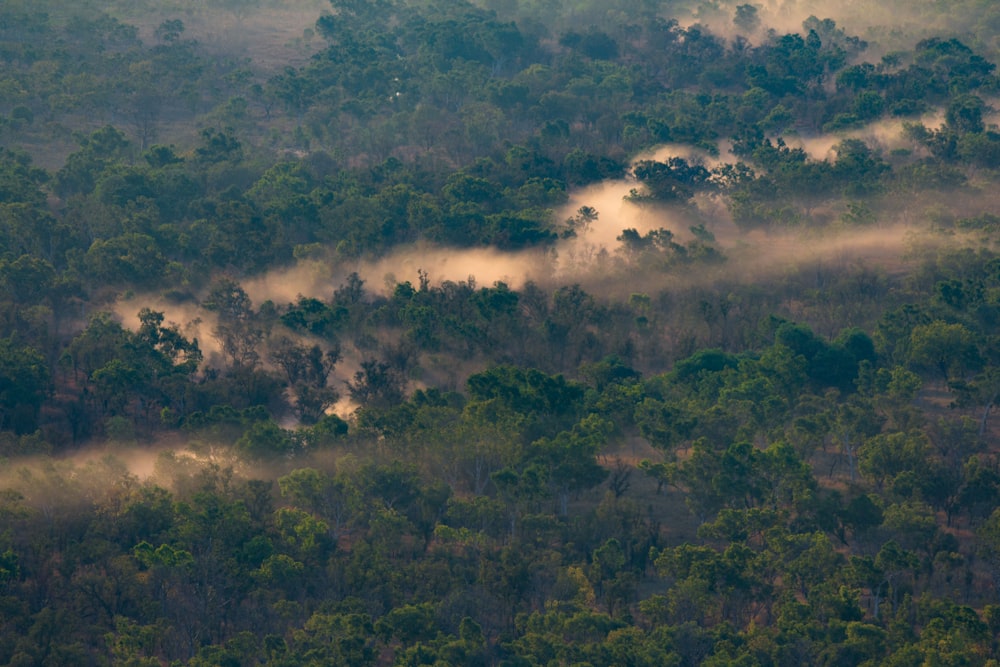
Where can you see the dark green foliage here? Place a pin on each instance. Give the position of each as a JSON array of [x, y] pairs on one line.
[[828, 365], [23, 383], [549, 402], [703, 361], [674, 181], [820, 478]]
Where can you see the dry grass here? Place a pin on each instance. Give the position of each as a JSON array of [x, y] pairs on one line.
[[665, 507], [271, 38]]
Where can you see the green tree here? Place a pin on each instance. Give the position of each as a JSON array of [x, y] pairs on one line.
[[24, 384], [988, 545], [83, 169], [949, 349], [886, 456], [237, 327], [571, 458], [334, 498], [307, 370], [335, 639], [266, 440]]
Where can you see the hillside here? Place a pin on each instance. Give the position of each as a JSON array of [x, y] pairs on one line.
[[501, 333]]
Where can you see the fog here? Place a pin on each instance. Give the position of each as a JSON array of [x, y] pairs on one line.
[[886, 26], [583, 258], [757, 256], [106, 475], [590, 257], [190, 319]]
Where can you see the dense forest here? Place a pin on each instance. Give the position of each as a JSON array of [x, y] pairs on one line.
[[405, 332]]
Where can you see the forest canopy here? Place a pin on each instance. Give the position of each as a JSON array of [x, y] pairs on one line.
[[499, 333]]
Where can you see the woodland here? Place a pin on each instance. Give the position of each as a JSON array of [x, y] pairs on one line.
[[637, 333]]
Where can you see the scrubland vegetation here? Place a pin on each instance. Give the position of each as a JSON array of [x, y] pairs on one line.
[[503, 333]]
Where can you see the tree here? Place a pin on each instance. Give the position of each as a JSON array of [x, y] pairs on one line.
[[142, 374], [571, 458], [949, 349], [334, 498], [981, 391], [664, 424], [886, 456], [83, 169], [24, 383], [266, 440], [858, 168], [308, 370], [335, 639], [965, 114], [547, 403], [131, 258], [892, 565], [610, 577], [673, 181], [988, 545], [377, 385], [237, 328]]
